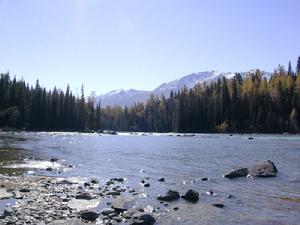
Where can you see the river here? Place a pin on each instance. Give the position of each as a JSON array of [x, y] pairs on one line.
[[182, 161]]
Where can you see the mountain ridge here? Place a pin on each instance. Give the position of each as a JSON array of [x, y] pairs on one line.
[[121, 97]]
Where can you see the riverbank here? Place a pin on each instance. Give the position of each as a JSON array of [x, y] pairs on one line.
[[49, 200]]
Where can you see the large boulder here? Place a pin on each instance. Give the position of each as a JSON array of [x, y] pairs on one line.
[[169, 196], [191, 196], [145, 219], [262, 169]]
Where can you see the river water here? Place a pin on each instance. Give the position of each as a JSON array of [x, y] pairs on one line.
[[182, 161]]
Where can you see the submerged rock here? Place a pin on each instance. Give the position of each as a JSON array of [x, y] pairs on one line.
[[145, 219], [161, 179], [170, 196], [191, 196], [218, 205], [53, 159]]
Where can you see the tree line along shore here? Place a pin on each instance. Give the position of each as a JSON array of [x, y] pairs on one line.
[[241, 104]]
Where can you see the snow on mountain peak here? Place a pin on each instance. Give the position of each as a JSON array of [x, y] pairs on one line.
[[123, 97]]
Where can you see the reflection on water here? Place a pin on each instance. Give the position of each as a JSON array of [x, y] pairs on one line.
[[182, 161]]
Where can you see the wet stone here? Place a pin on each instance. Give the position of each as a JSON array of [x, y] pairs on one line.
[[169, 196]]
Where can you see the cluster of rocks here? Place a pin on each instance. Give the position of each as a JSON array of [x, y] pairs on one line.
[[49, 200]]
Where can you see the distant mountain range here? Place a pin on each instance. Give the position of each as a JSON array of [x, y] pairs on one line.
[[122, 97]]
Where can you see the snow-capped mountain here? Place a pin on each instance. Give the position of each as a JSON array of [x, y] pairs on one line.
[[128, 97], [191, 80], [122, 97]]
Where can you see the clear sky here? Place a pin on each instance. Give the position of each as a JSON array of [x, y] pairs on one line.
[[140, 44]]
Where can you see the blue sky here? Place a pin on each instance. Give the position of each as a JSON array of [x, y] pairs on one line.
[[140, 44]]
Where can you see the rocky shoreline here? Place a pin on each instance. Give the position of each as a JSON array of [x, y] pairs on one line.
[[51, 200]]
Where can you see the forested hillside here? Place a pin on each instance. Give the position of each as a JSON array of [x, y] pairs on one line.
[[253, 104]]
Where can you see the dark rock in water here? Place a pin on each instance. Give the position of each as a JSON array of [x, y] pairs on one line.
[[53, 159], [49, 169], [191, 195], [229, 196], [147, 185], [210, 192], [94, 181], [263, 169], [89, 215], [161, 179], [175, 208], [145, 219], [113, 193], [7, 212], [204, 178], [237, 173], [170, 196], [120, 179], [218, 205], [250, 138], [143, 181], [85, 196], [86, 184], [24, 190]]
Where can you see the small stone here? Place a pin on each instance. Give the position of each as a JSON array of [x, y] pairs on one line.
[[170, 196], [218, 205], [229, 196], [85, 196], [54, 159], [145, 219], [94, 181], [49, 169], [147, 185], [204, 178], [161, 179], [89, 215], [24, 190], [175, 208], [210, 192], [191, 195]]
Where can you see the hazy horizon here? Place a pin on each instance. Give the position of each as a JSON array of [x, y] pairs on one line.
[[139, 44]]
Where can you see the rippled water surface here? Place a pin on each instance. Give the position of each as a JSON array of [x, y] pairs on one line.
[[182, 161]]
